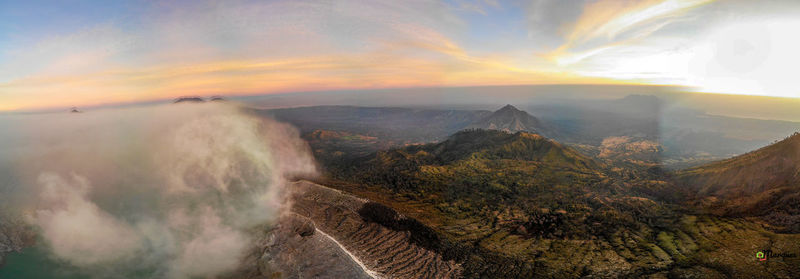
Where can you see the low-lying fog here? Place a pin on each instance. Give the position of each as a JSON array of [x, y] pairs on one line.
[[162, 191]]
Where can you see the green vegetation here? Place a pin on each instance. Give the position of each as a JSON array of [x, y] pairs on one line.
[[515, 198], [764, 183], [520, 205]]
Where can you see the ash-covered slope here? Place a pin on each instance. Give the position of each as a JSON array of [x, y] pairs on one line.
[[389, 251], [330, 234], [510, 119], [765, 183], [295, 248]]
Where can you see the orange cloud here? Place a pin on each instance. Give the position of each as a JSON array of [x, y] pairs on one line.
[[603, 23], [427, 59], [243, 51]]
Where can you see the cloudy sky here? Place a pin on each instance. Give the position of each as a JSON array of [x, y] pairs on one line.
[[64, 53]]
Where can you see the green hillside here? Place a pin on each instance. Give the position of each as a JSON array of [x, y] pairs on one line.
[[763, 183], [521, 206]]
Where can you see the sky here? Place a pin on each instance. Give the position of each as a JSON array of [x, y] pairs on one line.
[[81, 53]]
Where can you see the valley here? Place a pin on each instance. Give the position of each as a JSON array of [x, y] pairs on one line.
[[762, 183], [459, 193], [498, 199], [649, 131], [607, 229]]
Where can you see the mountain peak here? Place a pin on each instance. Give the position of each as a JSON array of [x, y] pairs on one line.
[[508, 107], [510, 119]]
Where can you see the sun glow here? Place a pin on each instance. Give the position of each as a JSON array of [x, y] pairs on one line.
[[755, 56]]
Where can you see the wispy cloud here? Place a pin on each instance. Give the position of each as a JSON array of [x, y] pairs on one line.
[[608, 24], [715, 46], [248, 48]]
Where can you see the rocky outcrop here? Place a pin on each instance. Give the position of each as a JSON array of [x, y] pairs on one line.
[[14, 235]]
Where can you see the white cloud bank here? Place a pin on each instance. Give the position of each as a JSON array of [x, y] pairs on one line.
[[170, 191]]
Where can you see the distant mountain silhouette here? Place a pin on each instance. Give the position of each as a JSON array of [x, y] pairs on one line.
[[765, 183], [189, 100], [512, 120]]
